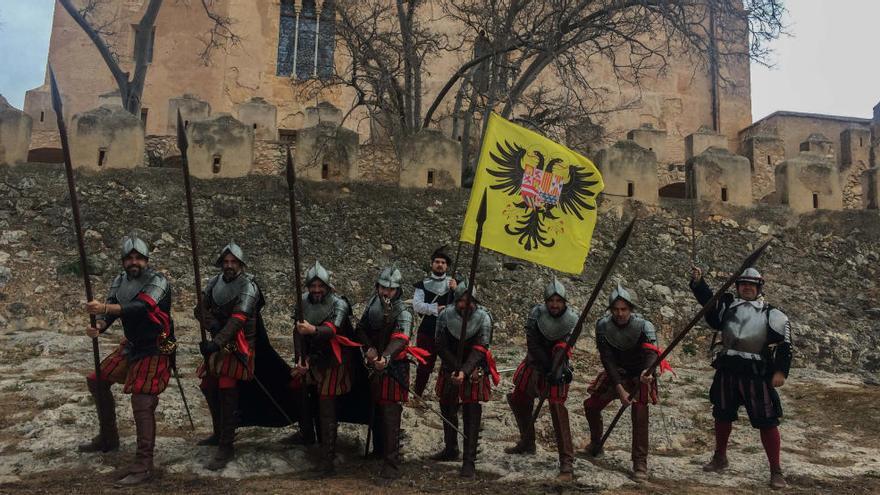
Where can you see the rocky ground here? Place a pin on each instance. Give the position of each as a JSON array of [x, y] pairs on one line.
[[821, 269]]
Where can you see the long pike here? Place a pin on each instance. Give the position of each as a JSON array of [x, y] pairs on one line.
[[749, 261], [472, 279], [579, 326]]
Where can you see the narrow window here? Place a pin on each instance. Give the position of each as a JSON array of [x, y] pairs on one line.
[[723, 194], [430, 178], [815, 201], [144, 112], [630, 189], [286, 39], [306, 34], [102, 154], [325, 171], [769, 161], [216, 166], [186, 124], [42, 115], [860, 141], [255, 127]]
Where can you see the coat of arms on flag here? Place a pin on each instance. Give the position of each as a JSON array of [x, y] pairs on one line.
[[541, 197]]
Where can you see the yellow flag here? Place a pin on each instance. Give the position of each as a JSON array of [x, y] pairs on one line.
[[541, 198]]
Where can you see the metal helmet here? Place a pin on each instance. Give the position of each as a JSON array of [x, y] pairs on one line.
[[461, 290], [620, 292], [233, 249], [554, 288], [134, 243], [318, 272], [390, 277], [752, 276]]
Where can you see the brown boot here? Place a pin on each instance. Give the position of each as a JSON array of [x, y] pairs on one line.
[[777, 482], [327, 419], [108, 437], [717, 464], [450, 436], [391, 440], [639, 415], [472, 413], [522, 413], [559, 415], [226, 443], [212, 397], [594, 420], [144, 408]]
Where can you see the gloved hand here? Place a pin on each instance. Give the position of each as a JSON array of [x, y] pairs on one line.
[[208, 347]]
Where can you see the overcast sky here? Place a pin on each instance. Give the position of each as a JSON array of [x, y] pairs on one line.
[[827, 65]]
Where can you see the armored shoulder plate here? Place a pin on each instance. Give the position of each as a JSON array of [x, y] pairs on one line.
[[479, 322], [622, 339], [555, 327], [649, 330], [157, 287], [112, 294], [249, 297], [130, 287], [333, 308], [744, 327]]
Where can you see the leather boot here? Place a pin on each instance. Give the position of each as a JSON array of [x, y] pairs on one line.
[[327, 420], [391, 440], [108, 437], [143, 407], [212, 397], [639, 441], [225, 445], [471, 415], [717, 464], [522, 413], [559, 415], [450, 436], [777, 482], [594, 419], [423, 374]]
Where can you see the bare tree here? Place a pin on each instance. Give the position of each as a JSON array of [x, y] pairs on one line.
[[96, 21]]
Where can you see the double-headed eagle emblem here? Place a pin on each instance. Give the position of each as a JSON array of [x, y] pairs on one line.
[[529, 176]]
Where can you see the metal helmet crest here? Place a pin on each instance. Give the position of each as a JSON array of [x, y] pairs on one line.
[[752, 276], [554, 288], [233, 249], [390, 277], [317, 271], [620, 292], [134, 243]]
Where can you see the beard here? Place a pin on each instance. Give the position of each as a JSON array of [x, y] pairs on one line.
[[316, 298], [229, 274], [133, 271]]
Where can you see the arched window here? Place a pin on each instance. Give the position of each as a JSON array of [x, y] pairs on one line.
[[306, 39]]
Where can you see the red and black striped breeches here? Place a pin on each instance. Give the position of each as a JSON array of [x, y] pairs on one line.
[[386, 389], [147, 375], [330, 380], [467, 393], [223, 364], [529, 382]]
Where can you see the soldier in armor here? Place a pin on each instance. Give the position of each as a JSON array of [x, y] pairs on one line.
[[548, 327], [753, 361], [232, 302], [432, 294], [327, 347], [141, 298], [627, 345], [384, 331], [464, 381]]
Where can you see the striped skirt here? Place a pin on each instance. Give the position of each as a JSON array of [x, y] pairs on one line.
[[330, 381], [529, 382], [387, 390], [148, 375], [468, 392], [226, 364]]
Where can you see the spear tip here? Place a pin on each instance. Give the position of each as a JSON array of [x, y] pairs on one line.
[[624, 236], [182, 144], [291, 173], [56, 95]]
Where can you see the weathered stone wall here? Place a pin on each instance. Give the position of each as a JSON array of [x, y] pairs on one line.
[[15, 133], [807, 182], [377, 163], [430, 159], [700, 141], [327, 152], [159, 149], [717, 175], [220, 147], [629, 171], [870, 182], [855, 159], [38, 104], [764, 153], [270, 157], [262, 116], [651, 139], [106, 137], [191, 109]]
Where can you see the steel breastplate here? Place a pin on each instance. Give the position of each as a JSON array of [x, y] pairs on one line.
[[555, 327], [622, 339], [436, 286], [317, 313], [475, 323], [129, 288], [376, 314], [225, 292], [745, 327]]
